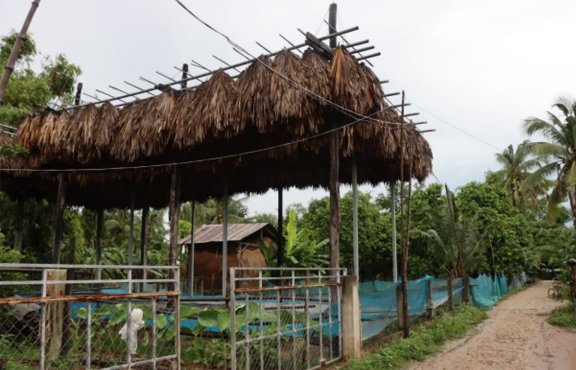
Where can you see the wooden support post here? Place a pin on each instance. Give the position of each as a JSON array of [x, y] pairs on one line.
[[191, 251], [351, 320], [450, 288], [225, 238], [131, 233], [280, 236], [19, 227], [394, 240], [174, 213], [54, 314], [429, 298], [465, 288], [144, 245], [355, 254], [59, 224], [99, 237], [334, 168], [400, 306]]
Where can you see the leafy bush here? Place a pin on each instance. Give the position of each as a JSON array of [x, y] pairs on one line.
[[564, 316], [424, 341]]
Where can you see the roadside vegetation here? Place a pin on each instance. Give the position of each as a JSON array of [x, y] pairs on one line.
[[425, 340], [564, 316]]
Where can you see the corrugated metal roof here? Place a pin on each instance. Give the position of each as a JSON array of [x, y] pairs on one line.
[[213, 233]]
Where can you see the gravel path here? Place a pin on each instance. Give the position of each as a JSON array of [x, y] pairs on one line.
[[515, 336]]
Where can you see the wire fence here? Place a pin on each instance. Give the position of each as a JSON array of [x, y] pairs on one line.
[[285, 318], [64, 317]]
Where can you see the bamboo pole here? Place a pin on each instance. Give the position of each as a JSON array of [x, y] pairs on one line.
[[16, 49]]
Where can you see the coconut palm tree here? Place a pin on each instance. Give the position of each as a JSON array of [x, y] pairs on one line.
[[517, 175], [559, 152]]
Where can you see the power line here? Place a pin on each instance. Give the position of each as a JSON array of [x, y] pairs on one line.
[[459, 129], [350, 113]]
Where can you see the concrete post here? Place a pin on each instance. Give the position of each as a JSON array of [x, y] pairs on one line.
[[55, 314], [351, 328]]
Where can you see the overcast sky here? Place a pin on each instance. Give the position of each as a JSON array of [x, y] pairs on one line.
[[473, 69]]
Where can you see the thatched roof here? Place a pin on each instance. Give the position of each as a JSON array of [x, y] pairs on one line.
[[275, 101]]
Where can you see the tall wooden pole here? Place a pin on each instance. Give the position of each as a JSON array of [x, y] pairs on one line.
[[16, 49], [99, 237], [131, 235], [59, 223], [404, 270], [394, 239], [355, 253], [280, 236], [225, 238], [191, 252], [334, 170], [19, 227], [144, 244], [174, 214]]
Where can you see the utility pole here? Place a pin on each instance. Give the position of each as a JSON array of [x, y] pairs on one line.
[[16, 49]]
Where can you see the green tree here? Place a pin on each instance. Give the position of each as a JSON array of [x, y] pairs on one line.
[[375, 246], [517, 175], [29, 90], [509, 243], [559, 153]]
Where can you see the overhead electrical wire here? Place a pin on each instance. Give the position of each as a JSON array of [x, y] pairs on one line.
[[350, 113]]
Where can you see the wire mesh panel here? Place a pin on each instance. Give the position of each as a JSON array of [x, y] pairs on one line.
[[285, 318], [65, 317]]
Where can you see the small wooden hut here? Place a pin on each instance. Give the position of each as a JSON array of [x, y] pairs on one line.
[[243, 251]]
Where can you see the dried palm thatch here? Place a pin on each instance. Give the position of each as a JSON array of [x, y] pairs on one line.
[[274, 101], [254, 106], [127, 145], [207, 112], [296, 106]]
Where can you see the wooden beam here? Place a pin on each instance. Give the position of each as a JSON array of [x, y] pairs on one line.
[[355, 253], [59, 222], [144, 244], [99, 237], [191, 251], [174, 214], [280, 236], [225, 238], [334, 181], [131, 234], [19, 227]]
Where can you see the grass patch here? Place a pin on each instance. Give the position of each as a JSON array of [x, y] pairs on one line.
[[564, 316], [424, 340]]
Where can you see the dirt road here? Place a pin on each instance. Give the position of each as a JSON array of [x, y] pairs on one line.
[[515, 336]]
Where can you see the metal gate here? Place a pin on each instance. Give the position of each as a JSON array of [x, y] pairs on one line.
[[89, 317], [285, 318]]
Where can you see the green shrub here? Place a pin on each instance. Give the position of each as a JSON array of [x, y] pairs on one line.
[[424, 341], [564, 316]]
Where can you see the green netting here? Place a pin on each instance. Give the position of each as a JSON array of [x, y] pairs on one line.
[[486, 291]]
